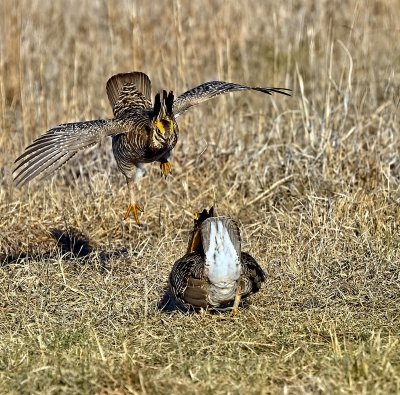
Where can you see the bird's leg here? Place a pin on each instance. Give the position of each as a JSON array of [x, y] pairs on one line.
[[133, 207], [165, 165], [235, 308]]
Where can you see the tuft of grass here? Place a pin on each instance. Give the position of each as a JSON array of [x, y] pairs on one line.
[[313, 181]]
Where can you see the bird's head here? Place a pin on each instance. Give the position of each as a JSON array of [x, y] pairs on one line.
[[195, 236], [162, 117]]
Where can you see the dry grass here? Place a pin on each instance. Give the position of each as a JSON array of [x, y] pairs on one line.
[[327, 233]]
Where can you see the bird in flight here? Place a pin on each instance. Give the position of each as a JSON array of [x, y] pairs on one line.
[[141, 131], [214, 273]]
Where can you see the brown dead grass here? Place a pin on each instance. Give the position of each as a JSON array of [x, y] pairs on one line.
[[313, 180]]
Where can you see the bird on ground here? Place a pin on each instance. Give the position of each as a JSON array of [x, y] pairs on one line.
[[141, 131], [214, 273]]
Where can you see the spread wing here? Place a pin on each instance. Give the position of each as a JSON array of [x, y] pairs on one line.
[[253, 275], [186, 280], [50, 151], [126, 91], [208, 90]]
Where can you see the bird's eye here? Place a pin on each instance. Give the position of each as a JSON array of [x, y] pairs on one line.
[[160, 126], [165, 125]]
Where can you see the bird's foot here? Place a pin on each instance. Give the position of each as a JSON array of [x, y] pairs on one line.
[[234, 312], [165, 168], [134, 208]]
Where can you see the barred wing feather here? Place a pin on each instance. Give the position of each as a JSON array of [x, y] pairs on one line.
[[211, 89], [50, 151]]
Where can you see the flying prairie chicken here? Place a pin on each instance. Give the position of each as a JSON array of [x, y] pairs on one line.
[[214, 273], [141, 132]]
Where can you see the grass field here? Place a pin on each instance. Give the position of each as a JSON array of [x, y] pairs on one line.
[[314, 181]]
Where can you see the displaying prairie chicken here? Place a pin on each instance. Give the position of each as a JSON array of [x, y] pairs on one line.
[[141, 132], [215, 273]]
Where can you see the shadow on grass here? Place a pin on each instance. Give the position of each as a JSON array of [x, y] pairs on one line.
[[72, 245], [168, 304]]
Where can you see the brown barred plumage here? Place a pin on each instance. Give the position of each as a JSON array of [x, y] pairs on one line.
[[196, 282], [141, 132]]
